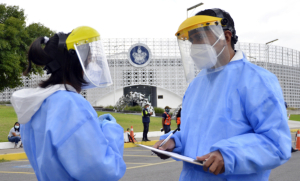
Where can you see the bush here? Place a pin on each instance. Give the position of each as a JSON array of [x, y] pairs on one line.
[[159, 110], [4, 102], [109, 107], [133, 108], [292, 108]]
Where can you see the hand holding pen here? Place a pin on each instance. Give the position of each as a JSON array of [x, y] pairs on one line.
[[167, 144]]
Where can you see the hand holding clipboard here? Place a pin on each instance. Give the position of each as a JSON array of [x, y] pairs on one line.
[[212, 162], [169, 146], [174, 155]]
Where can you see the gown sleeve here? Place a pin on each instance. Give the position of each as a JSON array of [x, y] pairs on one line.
[[177, 139], [93, 152], [269, 145]]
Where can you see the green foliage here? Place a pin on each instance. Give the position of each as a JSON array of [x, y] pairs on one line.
[[133, 108], [4, 102], [15, 39], [292, 108], [159, 110], [109, 107]]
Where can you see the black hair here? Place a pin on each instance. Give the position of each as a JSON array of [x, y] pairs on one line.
[[16, 128], [68, 68], [230, 23]]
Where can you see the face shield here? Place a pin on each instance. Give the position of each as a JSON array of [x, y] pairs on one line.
[[202, 45], [94, 64]]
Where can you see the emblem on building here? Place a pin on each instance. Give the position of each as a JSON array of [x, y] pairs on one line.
[[139, 55]]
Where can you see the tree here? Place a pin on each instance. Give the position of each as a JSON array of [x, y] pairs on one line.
[[15, 40]]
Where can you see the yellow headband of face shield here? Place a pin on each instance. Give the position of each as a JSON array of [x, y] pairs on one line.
[[82, 35], [194, 23]]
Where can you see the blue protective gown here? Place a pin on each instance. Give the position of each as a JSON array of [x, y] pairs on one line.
[[240, 112], [64, 141]]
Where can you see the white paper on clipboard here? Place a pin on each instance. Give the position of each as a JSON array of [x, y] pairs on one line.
[[174, 155]]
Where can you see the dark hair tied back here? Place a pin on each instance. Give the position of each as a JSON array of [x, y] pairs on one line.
[[64, 67]]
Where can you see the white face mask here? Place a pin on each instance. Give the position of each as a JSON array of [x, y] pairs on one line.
[[204, 55]]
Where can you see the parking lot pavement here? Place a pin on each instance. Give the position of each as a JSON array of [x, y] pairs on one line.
[[17, 170], [141, 165]]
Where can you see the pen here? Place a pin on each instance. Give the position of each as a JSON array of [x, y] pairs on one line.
[[167, 139]]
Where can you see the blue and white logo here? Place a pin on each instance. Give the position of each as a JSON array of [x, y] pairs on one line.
[[139, 55]]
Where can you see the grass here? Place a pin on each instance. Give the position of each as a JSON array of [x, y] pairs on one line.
[[8, 118], [3, 160], [295, 117], [128, 120]]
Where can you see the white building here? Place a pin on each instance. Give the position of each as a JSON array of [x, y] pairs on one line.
[[153, 67]]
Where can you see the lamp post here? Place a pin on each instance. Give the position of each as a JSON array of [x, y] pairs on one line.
[[267, 51], [193, 7], [115, 48]]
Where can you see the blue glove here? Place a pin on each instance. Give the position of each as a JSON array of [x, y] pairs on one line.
[[105, 118]]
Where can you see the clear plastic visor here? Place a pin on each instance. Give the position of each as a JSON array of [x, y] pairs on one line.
[[94, 65], [203, 48]]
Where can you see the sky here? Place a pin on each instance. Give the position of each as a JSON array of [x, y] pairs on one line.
[[256, 21]]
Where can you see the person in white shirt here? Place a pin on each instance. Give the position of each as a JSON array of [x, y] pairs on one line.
[[14, 135]]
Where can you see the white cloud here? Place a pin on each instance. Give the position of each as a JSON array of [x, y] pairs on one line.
[[256, 21]]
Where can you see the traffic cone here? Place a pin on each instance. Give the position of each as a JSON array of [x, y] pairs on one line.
[[298, 140], [132, 134]]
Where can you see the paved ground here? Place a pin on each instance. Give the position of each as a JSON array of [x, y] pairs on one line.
[[141, 165], [6, 151], [293, 124]]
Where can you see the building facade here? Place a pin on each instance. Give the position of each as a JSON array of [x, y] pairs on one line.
[[153, 67]]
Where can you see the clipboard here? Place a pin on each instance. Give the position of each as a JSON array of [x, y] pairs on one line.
[[174, 155]]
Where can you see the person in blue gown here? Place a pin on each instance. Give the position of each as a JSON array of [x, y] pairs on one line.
[[63, 137], [233, 113]]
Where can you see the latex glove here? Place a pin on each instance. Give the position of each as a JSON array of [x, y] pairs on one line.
[[106, 117]]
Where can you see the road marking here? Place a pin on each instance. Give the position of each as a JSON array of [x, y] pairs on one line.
[[140, 156], [150, 165], [23, 166], [20, 160], [137, 163], [17, 172]]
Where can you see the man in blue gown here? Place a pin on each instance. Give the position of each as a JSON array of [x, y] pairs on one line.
[[233, 114]]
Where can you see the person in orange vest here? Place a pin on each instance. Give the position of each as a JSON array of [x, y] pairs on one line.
[[166, 120], [178, 121]]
